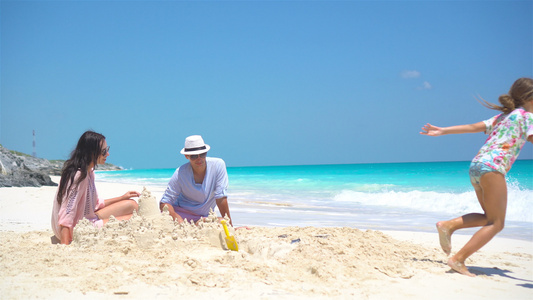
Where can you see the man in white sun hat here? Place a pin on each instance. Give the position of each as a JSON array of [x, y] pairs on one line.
[[197, 186]]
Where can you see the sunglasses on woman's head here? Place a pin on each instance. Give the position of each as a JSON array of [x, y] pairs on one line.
[[195, 157]]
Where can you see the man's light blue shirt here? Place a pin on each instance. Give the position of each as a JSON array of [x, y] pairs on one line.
[[192, 200]]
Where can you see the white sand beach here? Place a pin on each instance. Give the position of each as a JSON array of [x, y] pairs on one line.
[[151, 257]]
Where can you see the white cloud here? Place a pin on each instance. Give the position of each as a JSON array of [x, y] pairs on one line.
[[425, 86], [410, 74]]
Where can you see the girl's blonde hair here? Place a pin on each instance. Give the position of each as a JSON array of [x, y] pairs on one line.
[[521, 91]]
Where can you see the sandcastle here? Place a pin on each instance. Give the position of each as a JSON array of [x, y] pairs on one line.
[[148, 228], [148, 204]]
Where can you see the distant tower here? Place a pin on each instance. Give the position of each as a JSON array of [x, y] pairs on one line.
[[34, 154]]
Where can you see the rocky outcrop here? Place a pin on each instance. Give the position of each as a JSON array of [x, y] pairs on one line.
[[19, 169]]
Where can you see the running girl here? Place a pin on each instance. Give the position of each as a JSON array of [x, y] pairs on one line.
[[508, 132]]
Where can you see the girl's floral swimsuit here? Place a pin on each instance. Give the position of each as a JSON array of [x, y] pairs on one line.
[[508, 133]]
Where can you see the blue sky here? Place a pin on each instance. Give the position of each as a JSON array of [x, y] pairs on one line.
[[264, 82]]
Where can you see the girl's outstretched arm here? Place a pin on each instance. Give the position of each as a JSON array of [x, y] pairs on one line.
[[432, 130]]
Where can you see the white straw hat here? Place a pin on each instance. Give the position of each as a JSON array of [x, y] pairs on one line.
[[194, 144]]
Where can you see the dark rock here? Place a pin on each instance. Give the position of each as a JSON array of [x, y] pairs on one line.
[[28, 178], [19, 169]]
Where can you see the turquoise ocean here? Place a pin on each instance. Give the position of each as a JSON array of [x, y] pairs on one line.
[[384, 196]]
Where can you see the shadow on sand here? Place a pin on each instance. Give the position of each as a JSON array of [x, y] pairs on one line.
[[502, 273]]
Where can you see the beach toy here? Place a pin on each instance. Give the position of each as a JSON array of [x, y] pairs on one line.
[[230, 240]]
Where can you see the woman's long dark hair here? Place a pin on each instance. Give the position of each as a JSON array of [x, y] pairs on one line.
[[86, 152]]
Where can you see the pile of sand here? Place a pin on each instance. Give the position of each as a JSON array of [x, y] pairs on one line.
[[152, 256]]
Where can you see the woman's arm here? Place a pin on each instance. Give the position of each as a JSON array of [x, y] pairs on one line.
[[71, 209], [432, 130], [66, 236]]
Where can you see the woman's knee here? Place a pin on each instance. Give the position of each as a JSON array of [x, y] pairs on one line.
[[133, 205]]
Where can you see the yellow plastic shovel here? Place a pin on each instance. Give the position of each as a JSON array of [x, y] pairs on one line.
[[230, 240]]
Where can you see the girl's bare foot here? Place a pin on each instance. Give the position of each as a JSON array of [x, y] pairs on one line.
[[445, 238], [459, 267]]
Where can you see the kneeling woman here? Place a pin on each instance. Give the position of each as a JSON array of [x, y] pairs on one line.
[[76, 196]]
